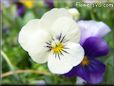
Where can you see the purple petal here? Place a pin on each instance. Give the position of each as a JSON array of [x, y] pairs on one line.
[[92, 73], [20, 9], [49, 3], [92, 28], [95, 47]]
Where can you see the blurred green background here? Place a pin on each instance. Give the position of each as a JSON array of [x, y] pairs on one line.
[[17, 66]]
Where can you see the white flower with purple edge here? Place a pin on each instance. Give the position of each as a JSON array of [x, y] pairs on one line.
[[53, 39]]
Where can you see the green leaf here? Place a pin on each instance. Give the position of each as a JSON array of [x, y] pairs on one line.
[[28, 16], [108, 77]]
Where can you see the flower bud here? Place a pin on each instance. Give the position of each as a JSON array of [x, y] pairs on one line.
[[75, 13]]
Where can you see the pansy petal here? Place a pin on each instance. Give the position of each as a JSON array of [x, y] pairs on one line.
[[65, 62], [95, 47], [49, 17], [33, 38], [68, 28], [59, 65], [92, 28], [96, 70], [37, 46], [27, 30], [76, 51], [39, 57], [92, 73], [20, 9]]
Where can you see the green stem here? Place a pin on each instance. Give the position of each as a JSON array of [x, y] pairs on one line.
[[7, 60], [10, 65]]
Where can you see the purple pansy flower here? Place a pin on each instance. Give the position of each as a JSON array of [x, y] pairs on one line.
[[94, 46], [49, 3], [20, 8]]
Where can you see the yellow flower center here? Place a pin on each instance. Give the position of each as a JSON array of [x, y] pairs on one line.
[[85, 61], [28, 3], [58, 48]]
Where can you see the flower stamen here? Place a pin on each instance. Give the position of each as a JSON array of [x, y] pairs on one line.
[[58, 48], [85, 61]]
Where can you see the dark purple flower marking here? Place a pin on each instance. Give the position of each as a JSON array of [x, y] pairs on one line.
[[95, 47]]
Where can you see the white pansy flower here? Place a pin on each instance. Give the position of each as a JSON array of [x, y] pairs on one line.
[[53, 39]]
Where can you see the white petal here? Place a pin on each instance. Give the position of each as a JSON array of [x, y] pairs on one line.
[[38, 40], [37, 46], [27, 30], [32, 38], [76, 51], [80, 81], [67, 61], [49, 17], [68, 27], [39, 57], [59, 66]]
